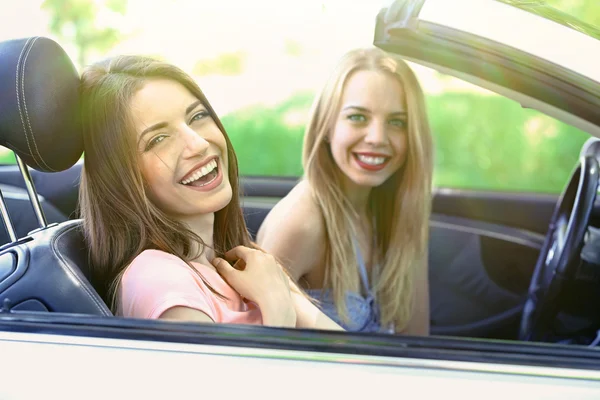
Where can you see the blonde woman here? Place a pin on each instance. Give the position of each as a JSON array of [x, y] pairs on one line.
[[354, 231]]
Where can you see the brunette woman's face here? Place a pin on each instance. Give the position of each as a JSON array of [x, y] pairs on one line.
[[183, 153]]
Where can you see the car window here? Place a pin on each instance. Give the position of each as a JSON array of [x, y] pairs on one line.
[[6, 156], [486, 141]]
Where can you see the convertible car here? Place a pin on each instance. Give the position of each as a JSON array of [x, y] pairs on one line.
[[514, 276]]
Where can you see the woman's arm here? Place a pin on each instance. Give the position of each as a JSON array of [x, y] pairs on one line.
[[180, 313], [308, 315]]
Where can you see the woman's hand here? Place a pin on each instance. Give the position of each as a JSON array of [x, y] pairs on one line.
[[258, 277]]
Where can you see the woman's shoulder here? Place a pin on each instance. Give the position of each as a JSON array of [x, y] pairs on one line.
[[294, 232], [158, 257], [297, 214], [156, 281], [151, 264]]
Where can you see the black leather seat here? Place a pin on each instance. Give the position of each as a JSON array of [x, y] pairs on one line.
[[47, 270]]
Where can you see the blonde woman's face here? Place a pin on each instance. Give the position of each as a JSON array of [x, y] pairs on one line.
[[369, 140]]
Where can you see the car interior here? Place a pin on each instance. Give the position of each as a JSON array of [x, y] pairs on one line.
[[485, 247]]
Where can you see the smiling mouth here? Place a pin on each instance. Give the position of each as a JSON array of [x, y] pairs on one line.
[[203, 176], [372, 161]]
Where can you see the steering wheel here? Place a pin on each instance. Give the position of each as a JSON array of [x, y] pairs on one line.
[[560, 253]]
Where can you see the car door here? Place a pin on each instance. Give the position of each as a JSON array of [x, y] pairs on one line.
[[155, 360]]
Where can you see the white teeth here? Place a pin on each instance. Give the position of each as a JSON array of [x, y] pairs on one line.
[[208, 168], [371, 160]]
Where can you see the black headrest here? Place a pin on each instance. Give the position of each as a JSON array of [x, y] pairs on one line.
[[39, 110]]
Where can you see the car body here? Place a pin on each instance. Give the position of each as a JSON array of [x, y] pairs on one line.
[[499, 234]]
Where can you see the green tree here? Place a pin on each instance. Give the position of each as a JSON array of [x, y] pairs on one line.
[[224, 64], [76, 21]]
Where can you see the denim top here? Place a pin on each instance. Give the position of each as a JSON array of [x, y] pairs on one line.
[[362, 311]]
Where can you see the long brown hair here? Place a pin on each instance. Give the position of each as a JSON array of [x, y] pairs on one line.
[[119, 220], [400, 206]]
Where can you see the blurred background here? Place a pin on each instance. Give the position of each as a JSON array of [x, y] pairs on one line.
[[260, 63]]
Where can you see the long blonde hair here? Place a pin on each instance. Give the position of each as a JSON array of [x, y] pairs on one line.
[[119, 220], [401, 206]]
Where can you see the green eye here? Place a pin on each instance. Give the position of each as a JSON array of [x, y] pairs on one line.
[[199, 116], [401, 123], [154, 141], [357, 118]]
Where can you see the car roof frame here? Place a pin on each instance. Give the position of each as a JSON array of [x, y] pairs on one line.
[[532, 81]]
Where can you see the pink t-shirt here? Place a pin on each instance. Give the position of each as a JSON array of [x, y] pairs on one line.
[[156, 281]]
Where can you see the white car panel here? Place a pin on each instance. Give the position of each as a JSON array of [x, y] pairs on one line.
[[69, 367]]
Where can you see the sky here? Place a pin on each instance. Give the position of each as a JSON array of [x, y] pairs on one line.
[[188, 31], [185, 31]]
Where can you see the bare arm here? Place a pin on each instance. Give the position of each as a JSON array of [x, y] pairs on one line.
[[180, 313], [309, 316]]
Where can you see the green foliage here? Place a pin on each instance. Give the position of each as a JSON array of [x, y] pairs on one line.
[[482, 142], [224, 64], [490, 142], [7, 157], [75, 21], [293, 48], [266, 140]]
